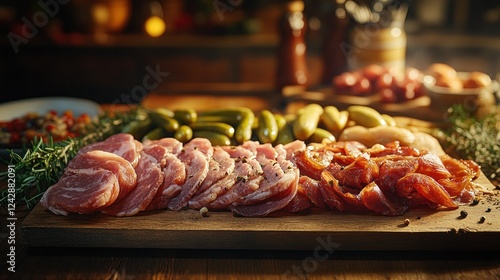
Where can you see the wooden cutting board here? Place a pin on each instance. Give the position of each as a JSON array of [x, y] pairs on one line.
[[329, 230]]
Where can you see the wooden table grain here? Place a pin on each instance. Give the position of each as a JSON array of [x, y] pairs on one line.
[[118, 263]]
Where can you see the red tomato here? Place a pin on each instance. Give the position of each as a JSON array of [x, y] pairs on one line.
[[373, 72], [387, 95], [384, 81], [362, 87], [344, 82]]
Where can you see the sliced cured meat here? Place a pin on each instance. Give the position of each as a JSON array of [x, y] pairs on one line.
[[427, 187], [121, 144], [91, 180], [160, 149], [312, 163], [349, 196], [357, 174], [81, 191], [166, 151], [330, 197], [195, 156], [275, 203], [374, 199], [299, 202], [431, 165], [311, 189], [390, 171], [278, 174], [392, 148], [122, 168], [220, 168], [247, 176], [174, 175], [149, 179], [294, 147]]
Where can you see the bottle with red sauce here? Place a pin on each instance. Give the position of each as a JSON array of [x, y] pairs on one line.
[[292, 67], [334, 58]]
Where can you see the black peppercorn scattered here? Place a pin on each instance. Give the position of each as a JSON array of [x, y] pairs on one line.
[[463, 214], [488, 210], [474, 202], [482, 219]]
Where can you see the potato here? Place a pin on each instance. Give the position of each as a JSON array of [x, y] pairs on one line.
[[477, 80], [441, 70]]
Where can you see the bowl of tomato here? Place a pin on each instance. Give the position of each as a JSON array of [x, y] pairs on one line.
[[56, 118]]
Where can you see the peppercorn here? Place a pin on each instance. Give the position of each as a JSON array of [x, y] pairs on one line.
[[463, 214], [407, 222], [482, 219], [488, 210]]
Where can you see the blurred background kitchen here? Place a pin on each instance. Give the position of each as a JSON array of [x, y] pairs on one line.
[[105, 49]]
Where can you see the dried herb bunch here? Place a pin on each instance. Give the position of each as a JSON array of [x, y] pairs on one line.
[[476, 138], [44, 162]]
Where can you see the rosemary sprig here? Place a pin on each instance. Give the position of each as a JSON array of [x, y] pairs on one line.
[[44, 162], [476, 138]]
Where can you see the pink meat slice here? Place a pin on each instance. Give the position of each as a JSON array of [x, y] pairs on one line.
[[160, 148], [278, 173], [166, 151], [150, 177], [244, 180], [196, 171], [220, 168], [122, 168], [81, 191], [195, 155], [90, 181], [174, 174], [277, 189], [274, 203], [121, 144]]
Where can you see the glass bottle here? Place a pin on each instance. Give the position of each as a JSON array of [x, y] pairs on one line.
[[292, 67]]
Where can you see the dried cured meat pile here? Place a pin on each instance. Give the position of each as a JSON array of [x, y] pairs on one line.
[[122, 177]]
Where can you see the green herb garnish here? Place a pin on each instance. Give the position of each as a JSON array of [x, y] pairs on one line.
[[44, 162], [475, 138]]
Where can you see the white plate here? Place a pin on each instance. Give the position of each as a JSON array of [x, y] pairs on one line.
[[42, 105]]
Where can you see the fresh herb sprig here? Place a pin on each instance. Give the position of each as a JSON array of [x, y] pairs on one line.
[[44, 162], [476, 138]]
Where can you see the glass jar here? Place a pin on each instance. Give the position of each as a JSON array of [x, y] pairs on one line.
[[375, 44]]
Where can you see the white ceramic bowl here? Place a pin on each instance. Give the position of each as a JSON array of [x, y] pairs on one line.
[[18, 108], [443, 97]]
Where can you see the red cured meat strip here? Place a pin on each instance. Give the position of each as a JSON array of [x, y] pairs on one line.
[[149, 180], [431, 165], [374, 199], [357, 174], [120, 144], [426, 186]]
